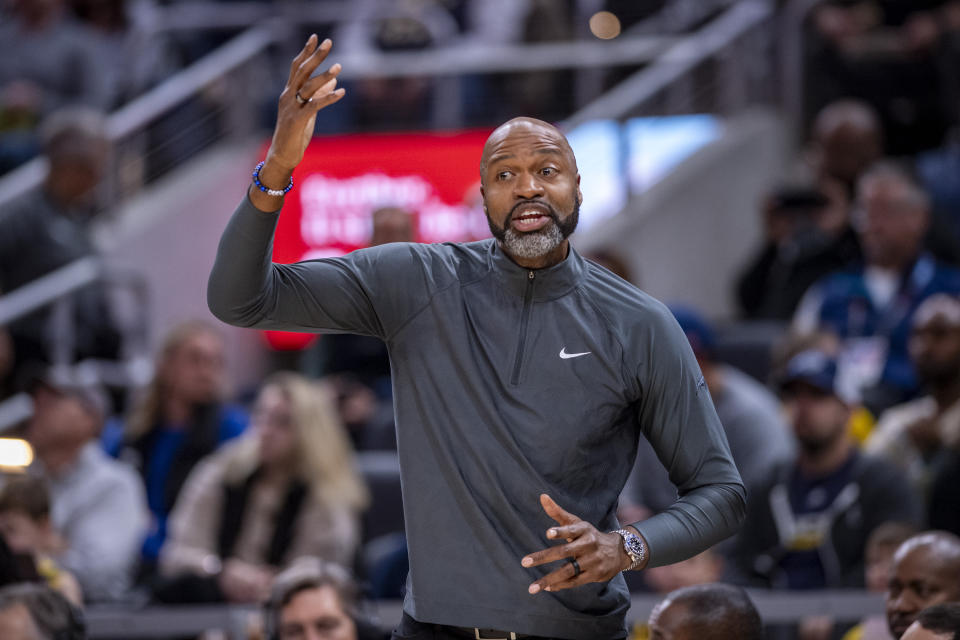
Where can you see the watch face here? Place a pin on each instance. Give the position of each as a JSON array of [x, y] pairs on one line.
[[634, 545]]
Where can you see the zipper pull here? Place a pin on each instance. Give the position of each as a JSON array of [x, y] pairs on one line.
[[531, 275]]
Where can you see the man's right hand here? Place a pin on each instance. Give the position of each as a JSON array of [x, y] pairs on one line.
[[295, 121]]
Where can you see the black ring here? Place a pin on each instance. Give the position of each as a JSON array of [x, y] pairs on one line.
[[576, 566], [300, 99]]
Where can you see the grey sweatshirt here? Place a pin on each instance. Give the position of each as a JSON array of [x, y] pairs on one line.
[[508, 383]]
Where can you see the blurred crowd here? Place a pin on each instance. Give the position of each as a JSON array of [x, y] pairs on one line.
[[848, 439]]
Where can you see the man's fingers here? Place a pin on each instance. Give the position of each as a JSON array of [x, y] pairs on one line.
[[314, 85], [554, 511], [321, 100], [569, 532], [559, 552], [310, 64], [300, 57], [566, 584], [561, 578]]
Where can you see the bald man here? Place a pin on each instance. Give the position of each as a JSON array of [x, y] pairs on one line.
[[706, 612], [926, 572], [847, 138], [523, 379]]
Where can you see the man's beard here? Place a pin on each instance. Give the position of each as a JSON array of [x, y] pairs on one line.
[[816, 445], [535, 244]]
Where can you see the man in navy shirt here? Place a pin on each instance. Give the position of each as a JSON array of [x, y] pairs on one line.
[[808, 520]]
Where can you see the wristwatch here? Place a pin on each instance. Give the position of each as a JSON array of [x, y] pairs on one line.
[[635, 548]]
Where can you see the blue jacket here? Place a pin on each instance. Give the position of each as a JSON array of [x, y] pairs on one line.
[[847, 309]]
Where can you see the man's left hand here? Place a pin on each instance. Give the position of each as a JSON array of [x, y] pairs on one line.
[[600, 555]]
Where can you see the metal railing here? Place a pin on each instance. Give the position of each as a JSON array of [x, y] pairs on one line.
[[735, 40], [792, 61]]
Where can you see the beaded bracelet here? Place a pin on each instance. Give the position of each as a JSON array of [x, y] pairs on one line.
[[269, 192]]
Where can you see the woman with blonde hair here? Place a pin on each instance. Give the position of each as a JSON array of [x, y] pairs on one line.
[[289, 488], [179, 419]]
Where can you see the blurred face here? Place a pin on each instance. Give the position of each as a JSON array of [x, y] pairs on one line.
[[891, 226], [916, 632], [920, 578], [194, 371], [391, 225], [316, 614], [845, 151], [16, 623], [22, 533], [274, 429], [669, 621], [818, 418], [59, 421], [531, 191], [935, 349], [879, 560]]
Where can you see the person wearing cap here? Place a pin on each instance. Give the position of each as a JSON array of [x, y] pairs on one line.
[[97, 503], [808, 520], [916, 435]]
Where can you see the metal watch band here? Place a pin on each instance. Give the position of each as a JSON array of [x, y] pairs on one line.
[[637, 557]]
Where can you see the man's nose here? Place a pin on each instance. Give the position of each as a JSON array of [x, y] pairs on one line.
[[528, 186], [903, 603]]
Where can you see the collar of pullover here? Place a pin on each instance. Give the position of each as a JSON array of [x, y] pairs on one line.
[[549, 283]]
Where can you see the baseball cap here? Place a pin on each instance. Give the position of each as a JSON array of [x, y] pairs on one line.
[[812, 367], [70, 382], [698, 331]]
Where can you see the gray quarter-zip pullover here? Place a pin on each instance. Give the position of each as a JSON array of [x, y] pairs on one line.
[[508, 383]]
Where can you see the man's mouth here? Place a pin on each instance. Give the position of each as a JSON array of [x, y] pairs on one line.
[[530, 218], [899, 625]]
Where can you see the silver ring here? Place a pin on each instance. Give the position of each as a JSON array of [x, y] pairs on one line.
[[576, 566], [300, 99]]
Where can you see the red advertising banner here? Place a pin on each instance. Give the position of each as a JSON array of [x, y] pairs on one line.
[[343, 179]]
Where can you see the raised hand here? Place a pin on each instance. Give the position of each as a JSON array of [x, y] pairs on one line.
[[301, 99], [599, 556]]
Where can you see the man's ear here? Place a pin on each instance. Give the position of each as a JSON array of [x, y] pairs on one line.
[[579, 190]]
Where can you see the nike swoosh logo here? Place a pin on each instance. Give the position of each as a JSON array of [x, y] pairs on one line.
[[566, 356]]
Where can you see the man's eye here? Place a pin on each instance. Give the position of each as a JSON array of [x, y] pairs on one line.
[[548, 171], [503, 175]]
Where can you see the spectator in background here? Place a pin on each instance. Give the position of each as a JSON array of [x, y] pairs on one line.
[[881, 546], [939, 622], [847, 139], [48, 228], [706, 612], [132, 56], [809, 519], [917, 434], [289, 490], [808, 236], [97, 504], [871, 308], [884, 52], [312, 599], [749, 413], [180, 419], [36, 612], [613, 262], [26, 527], [47, 62], [926, 572]]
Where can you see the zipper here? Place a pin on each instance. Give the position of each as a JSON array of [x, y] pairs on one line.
[[524, 321]]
